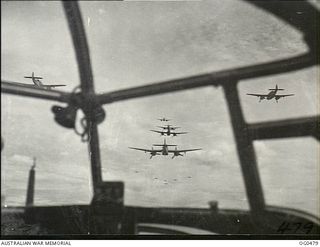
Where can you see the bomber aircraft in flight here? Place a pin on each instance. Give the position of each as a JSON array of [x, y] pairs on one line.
[[165, 150], [37, 83], [167, 130], [168, 126], [164, 119], [271, 95]]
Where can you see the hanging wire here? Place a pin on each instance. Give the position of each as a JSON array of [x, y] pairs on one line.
[[85, 129], [83, 122]]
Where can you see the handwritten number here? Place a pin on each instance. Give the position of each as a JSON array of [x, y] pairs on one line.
[[308, 227], [285, 227], [298, 226]]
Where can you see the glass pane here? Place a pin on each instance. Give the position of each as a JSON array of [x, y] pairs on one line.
[[62, 165], [289, 170], [135, 43], [304, 84], [36, 38], [190, 181]]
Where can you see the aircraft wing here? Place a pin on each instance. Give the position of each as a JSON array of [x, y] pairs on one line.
[[179, 133], [257, 95], [283, 95], [157, 131], [57, 85], [184, 150], [166, 127], [35, 86], [146, 150], [23, 84]]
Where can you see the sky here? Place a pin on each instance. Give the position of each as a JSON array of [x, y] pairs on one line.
[[138, 43]]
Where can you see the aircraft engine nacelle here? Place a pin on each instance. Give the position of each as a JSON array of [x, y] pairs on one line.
[[153, 154], [261, 98], [176, 154]]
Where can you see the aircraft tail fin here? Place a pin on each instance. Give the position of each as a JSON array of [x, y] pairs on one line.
[[164, 144], [272, 89], [33, 77], [161, 145]]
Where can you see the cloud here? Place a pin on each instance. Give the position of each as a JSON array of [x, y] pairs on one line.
[[21, 159]]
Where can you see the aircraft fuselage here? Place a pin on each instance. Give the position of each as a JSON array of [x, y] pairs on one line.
[[39, 84], [165, 150], [271, 95], [168, 131]]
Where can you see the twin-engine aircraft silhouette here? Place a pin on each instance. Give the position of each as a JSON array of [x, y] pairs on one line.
[[272, 95], [168, 126], [165, 150], [37, 83], [167, 130], [164, 119]]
